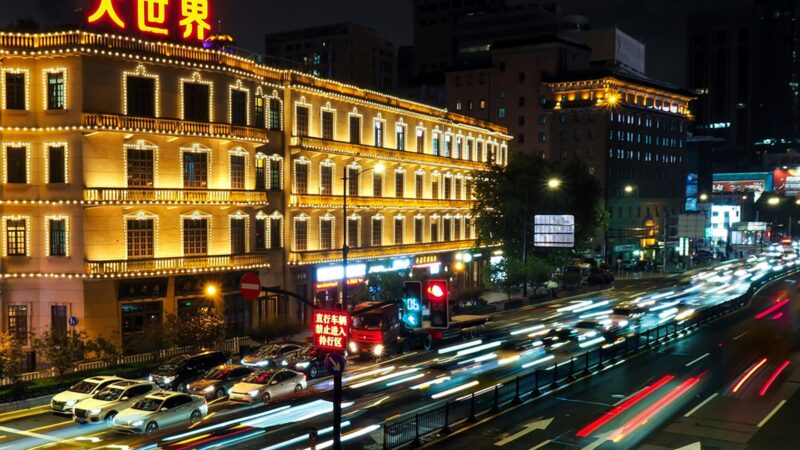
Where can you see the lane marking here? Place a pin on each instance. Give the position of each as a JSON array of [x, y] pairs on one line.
[[537, 447], [772, 413], [698, 359], [527, 429], [737, 337], [703, 403]]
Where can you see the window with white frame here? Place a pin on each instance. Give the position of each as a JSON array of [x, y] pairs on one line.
[[378, 132], [326, 177], [57, 235], [275, 228], [196, 167], [459, 186], [400, 136], [16, 235], [56, 162], [301, 233], [354, 231], [55, 81], [468, 152], [326, 232], [419, 229], [195, 235], [447, 227], [399, 182], [275, 122], [16, 89], [448, 145], [238, 168], [275, 173], [140, 164], [301, 168], [197, 97], [140, 236], [355, 128], [399, 229], [419, 184], [377, 184], [420, 140], [238, 233], [436, 143], [459, 147], [17, 169], [457, 228], [17, 320], [353, 180], [328, 119], [448, 187], [435, 189], [302, 119], [239, 98], [434, 228], [141, 93], [377, 231]]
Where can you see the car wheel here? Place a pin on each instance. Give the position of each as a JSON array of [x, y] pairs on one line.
[[427, 342], [220, 393], [313, 371], [298, 388], [181, 387], [265, 397], [195, 417], [151, 428], [110, 416]]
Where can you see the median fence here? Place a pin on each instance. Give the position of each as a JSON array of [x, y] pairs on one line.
[[232, 346], [440, 418]]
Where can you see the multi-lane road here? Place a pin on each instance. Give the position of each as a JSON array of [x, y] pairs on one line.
[[694, 367]]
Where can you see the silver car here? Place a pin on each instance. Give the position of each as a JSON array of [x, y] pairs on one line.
[[107, 403], [160, 410], [272, 355], [267, 385]]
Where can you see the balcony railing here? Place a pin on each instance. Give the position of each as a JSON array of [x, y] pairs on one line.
[[387, 154], [335, 255], [172, 126], [335, 201], [174, 196], [177, 265]]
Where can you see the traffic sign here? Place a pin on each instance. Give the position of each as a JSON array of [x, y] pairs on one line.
[[334, 363], [437, 296], [412, 304], [73, 321], [331, 329], [250, 286]]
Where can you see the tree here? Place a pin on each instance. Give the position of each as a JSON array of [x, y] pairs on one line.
[[205, 328], [62, 351], [507, 198], [106, 349], [11, 356], [276, 328]]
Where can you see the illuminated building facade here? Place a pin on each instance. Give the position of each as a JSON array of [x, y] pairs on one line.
[[631, 133], [136, 174]]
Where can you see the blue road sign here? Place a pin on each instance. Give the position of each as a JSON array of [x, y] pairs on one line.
[[73, 321], [334, 363]]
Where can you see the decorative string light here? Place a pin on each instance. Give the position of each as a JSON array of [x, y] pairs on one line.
[[238, 86], [196, 78], [239, 215], [27, 221], [198, 215], [27, 147], [27, 76], [46, 157], [48, 223], [140, 215], [45, 91], [141, 71]]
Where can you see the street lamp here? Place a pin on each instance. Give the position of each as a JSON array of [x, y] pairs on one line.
[[553, 183], [703, 197], [774, 201], [629, 189], [210, 290], [337, 377]]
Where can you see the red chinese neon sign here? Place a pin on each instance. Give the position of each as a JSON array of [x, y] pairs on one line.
[[331, 329], [184, 19]]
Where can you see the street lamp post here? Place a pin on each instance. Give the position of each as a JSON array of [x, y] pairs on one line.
[[337, 377], [552, 184]]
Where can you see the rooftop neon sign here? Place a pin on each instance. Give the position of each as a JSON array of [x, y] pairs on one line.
[[188, 20]]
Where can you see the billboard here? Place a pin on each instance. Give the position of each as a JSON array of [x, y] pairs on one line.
[[554, 231], [787, 181], [742, 183]]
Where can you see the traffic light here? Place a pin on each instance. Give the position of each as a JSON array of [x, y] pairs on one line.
[[412, 304], [436, 294]]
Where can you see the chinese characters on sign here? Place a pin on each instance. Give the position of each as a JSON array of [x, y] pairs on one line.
[[331, 329], [189, 19]]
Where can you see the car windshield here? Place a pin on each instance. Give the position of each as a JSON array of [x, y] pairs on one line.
[[260, 377], [108, 394], [218, 374], [147, 404], [83, 387], [368, 322]]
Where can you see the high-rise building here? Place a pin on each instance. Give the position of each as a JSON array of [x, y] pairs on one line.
[[721, 73], [631, 133], [136, 174], [344, 52]]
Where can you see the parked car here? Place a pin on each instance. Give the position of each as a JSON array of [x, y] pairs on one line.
[[309, 360], [218, 381], [105, 404], [268, 385], [272, 355], [160, 410], [64, 402], [179, 371]]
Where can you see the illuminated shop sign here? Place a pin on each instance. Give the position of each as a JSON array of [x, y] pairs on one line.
[[333, 273], [393, 265], [187, 20]]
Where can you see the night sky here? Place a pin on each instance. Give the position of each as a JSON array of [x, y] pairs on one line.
[[660, 24]]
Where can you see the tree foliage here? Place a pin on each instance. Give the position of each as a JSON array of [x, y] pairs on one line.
[[508, 197], [62, 351], [11, 356], [204, 328]]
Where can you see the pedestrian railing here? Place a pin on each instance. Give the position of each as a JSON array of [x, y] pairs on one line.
[[232, 346], [441, 417]]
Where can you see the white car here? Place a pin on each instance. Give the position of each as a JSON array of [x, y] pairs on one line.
[[160, 410], [107, 403], [267, 385], [65, 402]]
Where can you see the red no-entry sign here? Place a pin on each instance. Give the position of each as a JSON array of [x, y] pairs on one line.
[[250, 285]]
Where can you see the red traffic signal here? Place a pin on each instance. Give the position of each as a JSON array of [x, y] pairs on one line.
[[436, 290]]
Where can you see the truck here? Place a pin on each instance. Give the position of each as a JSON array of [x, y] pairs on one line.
[[378, 330]]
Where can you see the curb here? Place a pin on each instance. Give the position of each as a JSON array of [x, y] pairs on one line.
[[23, 404]]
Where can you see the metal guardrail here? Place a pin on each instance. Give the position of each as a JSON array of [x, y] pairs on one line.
[[466, 409], [232, 346]]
